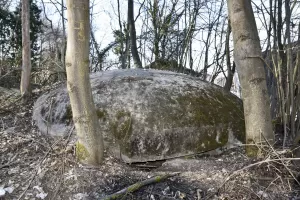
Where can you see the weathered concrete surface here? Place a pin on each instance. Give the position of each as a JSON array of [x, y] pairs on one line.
[[151, 114]]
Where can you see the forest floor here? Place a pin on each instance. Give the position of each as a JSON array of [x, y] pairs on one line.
[[35, 166]]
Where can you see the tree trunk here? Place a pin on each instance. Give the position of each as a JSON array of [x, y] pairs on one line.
[[155, 24], [289, 74], [128, 46], [26, 54], [230, 70], [247, 56], [122, 53], [63, 45], [207, 50], [134, 52], [89, 147], [296, 79]]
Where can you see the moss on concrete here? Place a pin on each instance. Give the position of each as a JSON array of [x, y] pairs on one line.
[[102, 114], [210, 112], [121, 125], [207, 111]]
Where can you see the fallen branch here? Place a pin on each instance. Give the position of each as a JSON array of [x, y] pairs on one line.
[[137, 186]]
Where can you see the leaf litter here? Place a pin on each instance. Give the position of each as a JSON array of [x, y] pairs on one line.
[[36, 166]]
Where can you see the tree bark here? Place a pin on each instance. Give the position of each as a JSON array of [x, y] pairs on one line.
[[89, 147], [26, 53], [134, 51], [63, 46], [230, 70], [247, 56], [289, 74], [122, 53], [155, 22]]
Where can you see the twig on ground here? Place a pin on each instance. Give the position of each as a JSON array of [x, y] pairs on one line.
[[36, 170], [69, 135], [273, 181], [3, 76], [278, 156], [63, 165], [4, 110], [10, 162], [252, 165], [137, 186], [58, 184]]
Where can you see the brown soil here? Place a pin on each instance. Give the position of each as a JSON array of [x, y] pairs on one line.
[[35, 166]]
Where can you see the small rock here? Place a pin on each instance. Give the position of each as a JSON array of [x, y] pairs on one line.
[[262, 194], [80, 196], [41, 195], [9, 189], [200, 194], [179, 195], [14, 170], [166, 191], [2, 192]]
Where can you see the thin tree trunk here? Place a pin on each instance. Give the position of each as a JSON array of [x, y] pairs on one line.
[[280, 70], [134, 51], [128, 46], [26, 53], [271, 78], [289, 74], [247, 54], [63, 46], [89, 147], [230, 71], [122, 56], [99, 57], [207, 45], [155, 23], [296, 79]]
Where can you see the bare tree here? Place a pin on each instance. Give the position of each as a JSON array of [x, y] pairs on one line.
[[63, 45], [230, 68], [189, 30], [4, 5], [131, 24], [163, 17], [122, 39], [280, 55], [26, 52], [89, 147], [247, 55]]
